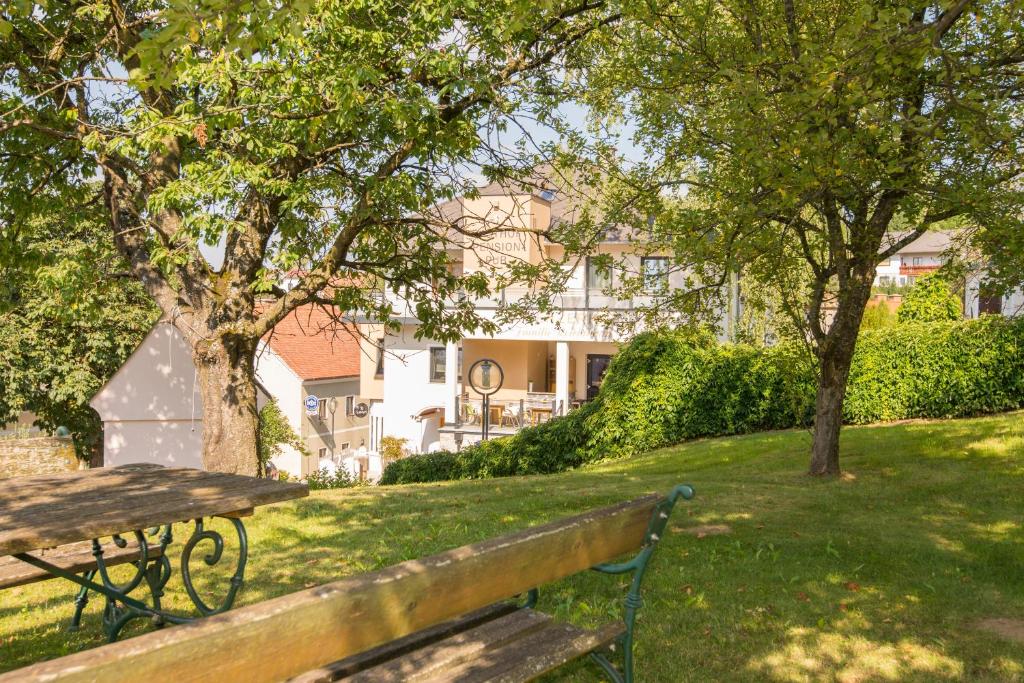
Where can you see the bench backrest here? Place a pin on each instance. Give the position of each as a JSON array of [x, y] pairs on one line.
[[285, 636]]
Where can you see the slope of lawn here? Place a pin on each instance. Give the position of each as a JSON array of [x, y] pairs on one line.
[[889, 573]]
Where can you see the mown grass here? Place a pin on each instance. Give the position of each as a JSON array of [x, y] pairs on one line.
[[883, 574]]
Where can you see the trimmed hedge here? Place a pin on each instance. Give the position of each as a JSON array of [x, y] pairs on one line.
[[665, 388]]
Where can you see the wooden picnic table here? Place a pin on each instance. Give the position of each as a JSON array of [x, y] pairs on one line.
[[134, 505]]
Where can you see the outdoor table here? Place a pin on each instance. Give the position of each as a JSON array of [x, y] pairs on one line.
[[137, 504]]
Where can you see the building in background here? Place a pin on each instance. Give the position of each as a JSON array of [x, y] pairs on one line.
[[312, 353], [551, 363], [152, 410]]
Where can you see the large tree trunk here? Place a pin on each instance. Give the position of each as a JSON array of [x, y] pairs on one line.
[[835, 356], [227, 382]]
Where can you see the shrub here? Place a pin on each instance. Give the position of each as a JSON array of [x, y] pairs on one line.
[[275, 432], [323, 479], [877, 316], [930, 300], [666, 388]]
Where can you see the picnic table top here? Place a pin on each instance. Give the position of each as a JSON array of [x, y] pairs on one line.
[[54, 509]]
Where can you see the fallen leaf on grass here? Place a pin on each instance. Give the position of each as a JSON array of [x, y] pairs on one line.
[[852, 586], [803, 597]]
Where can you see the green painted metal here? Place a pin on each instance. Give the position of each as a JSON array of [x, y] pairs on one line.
[[634, 600], [121, 608]]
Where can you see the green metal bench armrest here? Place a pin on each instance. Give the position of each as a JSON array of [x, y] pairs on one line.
[[638, 565]]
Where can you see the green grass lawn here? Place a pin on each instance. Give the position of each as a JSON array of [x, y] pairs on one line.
[[884, 574]]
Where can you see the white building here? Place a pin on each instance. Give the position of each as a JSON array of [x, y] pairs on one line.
[[550, 364], [926, 255], [152, 409]]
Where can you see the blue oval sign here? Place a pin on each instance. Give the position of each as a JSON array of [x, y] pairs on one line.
[[312, 402]]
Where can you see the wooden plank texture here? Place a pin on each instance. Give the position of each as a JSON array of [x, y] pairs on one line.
[[289, 635], [55, 509], [396, 648], [75, 558], [436, 661]]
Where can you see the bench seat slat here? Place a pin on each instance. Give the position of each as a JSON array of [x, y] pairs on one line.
[[396, 648], [435, 662], [74, 557]]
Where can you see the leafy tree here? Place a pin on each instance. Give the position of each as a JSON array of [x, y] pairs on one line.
[[878, 316], [275, 432], [310, 134], [69, 317], [816, 135], [930, 300]]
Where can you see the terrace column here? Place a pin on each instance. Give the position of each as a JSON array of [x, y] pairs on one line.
[[562, 376], [451, 382]]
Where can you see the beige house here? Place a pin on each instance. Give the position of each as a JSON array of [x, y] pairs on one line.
[[551, 364]]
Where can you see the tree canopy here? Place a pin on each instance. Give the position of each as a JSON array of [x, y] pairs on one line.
[[813, 139], [308, 135]]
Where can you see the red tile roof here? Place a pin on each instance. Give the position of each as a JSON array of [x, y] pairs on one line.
[[315, 344]]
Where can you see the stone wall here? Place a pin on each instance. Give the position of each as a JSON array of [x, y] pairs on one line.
[[22, 456]]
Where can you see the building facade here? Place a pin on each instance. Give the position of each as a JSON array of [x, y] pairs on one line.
[[417, 387], [152, 409]]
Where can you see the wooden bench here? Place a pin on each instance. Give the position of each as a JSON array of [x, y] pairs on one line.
[[448, 617], [78, 558]]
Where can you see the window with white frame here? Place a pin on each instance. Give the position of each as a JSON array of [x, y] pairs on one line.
[[321, 408], [599, 273], [437, 359], [350, 405], [655, 272]]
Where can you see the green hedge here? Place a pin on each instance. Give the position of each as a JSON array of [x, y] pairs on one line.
[[666, 388]]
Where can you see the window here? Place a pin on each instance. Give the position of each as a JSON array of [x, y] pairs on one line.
[[321, 408], [599, 275], [345, 445], [917, 260], [655, 272], [437, 363], [322, 453], [350, 405], [380, 357]]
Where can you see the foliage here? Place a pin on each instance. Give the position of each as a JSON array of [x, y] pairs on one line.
[[877, 316], [275, 432], [68, 319], [308, 135], [948, 369], [666, 388], [324, 479], [931, 299], [392, 448], [815, 136]]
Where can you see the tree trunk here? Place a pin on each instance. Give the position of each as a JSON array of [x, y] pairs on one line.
[[835, 356], [828, 415], [227, 383]]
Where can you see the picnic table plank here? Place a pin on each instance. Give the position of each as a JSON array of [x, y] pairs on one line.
[[54, 509]]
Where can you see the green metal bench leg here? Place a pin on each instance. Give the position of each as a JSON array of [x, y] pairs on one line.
[[634, 600], [81, 600]]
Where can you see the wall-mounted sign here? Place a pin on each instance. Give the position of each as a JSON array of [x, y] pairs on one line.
[[361, 410], [312, 403]]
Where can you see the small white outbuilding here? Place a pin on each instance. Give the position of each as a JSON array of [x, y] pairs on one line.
[[151, 408]]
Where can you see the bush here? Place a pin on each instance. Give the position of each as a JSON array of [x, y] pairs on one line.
[[666, 388], [930, 300], [323, 479], [877, 316], [950, 369]]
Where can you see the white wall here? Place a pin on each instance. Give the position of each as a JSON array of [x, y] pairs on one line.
[[151, 408], [408, 389], [157, 382], [286, 387], [171, 443]]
